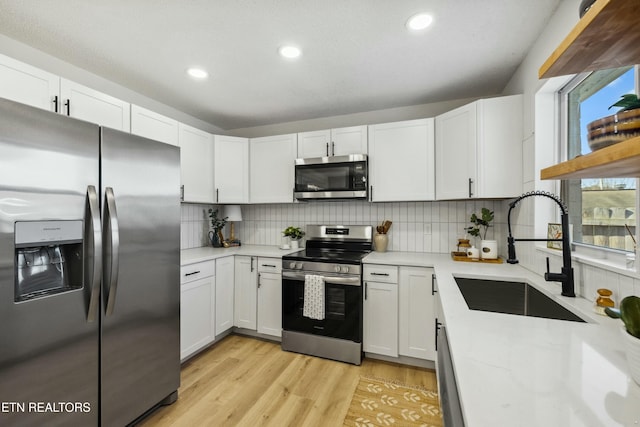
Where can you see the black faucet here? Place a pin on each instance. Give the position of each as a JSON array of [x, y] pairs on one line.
[[566, 276]]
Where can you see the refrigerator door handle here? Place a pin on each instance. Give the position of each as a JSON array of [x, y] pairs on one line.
[[92, 214], [111, 253]]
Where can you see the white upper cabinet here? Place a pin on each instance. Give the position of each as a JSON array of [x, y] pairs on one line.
[[29, 85], [401, 161], [479, 150], [90, 105], [152, 125], [333, 142], [271, 161], [196, 164], [231, 168]]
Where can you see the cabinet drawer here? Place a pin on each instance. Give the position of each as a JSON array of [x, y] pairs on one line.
[[199, 270], [270, 265], [381, 273]]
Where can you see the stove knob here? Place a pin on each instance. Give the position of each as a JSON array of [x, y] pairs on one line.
[[337, 268], [345, 269], [292, 265], [299, 266]]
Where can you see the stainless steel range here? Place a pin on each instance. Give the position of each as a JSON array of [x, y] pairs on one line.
[[322, 293]]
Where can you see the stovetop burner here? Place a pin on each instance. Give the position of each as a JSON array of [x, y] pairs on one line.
[[340, 244]]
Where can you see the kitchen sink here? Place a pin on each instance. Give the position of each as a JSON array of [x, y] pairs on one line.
[[511, 298]]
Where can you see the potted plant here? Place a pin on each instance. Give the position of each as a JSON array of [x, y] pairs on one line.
[[615, 128], [217, 224], [629, 313], [481, 224], [295, 233]]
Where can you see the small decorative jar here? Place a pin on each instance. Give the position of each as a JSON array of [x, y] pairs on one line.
[[463, 245], [604, 300]]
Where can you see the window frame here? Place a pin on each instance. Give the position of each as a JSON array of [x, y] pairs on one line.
[[612, 256]]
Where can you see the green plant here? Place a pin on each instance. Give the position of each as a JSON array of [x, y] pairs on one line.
[[627, 102], [629, 313], [484, 220], [294, 232], [217, 223]]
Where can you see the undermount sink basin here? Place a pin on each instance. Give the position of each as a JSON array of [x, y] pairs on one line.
[[511, 298]]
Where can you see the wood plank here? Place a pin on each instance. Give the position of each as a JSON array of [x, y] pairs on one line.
[[607, 36], [243, 381], [620, 160]]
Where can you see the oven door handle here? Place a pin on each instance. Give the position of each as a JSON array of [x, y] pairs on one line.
[[334, 280]]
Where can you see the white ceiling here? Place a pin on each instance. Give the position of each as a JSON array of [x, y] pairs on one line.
[[357, 54]]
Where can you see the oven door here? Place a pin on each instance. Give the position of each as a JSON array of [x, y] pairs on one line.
[[339, 177], [343, 306]]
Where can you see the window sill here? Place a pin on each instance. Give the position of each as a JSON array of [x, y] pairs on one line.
[[595, 257]]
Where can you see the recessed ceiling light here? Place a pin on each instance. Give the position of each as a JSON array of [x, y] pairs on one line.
[[197, 73], [290, 52], [419, 21]]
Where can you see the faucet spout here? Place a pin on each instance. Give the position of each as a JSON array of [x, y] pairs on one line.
[[565, 276]]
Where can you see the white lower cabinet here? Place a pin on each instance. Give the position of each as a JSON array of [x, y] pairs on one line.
[[246, 295], [416, 313], [197, 307], [270, 303], [224, 294], [380, 324]]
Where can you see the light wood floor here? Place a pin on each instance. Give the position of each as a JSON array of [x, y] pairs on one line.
[[243, 381]]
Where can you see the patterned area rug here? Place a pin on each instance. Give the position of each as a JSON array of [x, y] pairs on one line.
[[377, 402]]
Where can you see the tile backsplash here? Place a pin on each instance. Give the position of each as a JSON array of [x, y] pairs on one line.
[[417, 226]]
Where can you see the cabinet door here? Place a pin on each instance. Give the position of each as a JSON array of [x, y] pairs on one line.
[[231, 169], [500, 135], [349, 140], [270, 304], [29, 85], [92, 106], [271, 161], [196, 164], [152, 125], [380, 328], [314, 144], [224, 294], [416, 313], [197, 305], [456, 137], [395, 149], [246, 292]]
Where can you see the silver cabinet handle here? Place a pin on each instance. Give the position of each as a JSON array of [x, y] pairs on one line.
[[93, 252], [112, 252]]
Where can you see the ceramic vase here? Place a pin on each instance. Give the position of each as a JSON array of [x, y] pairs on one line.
[[380, 242], [214, 237], [489, 249], [632, 346], [295, 243]]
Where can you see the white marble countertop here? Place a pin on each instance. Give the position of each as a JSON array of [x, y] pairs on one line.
[[514, 370], [190, 256]]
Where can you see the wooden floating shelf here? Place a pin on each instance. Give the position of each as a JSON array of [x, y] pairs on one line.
[[621, 160], [607, 36]]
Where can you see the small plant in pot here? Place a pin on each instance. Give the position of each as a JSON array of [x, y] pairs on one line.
[[217, 224], [480, 227], [629, 313], [295, 234]]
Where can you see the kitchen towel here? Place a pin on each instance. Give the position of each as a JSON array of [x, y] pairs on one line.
[[313, 297]]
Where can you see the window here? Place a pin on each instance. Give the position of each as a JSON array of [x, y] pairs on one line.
[[602, 211]]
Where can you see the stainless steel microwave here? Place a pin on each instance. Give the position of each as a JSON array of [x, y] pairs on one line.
[[337, 177]]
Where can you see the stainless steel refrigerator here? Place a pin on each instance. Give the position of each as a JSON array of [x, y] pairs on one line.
[[89, 271]]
